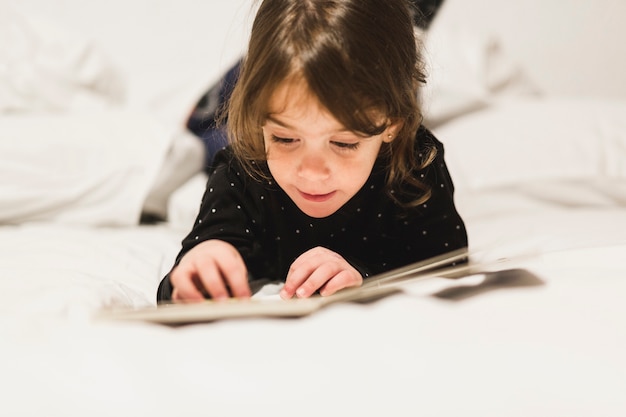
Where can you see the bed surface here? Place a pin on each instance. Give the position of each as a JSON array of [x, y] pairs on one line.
[[536, 146], [480, 345]]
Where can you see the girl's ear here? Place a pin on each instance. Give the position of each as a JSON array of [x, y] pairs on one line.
[[392, 130]]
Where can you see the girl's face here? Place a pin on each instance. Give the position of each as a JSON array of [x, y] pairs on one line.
[[313, 158]]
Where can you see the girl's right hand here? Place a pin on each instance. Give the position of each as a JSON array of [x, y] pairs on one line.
[[212, 268]]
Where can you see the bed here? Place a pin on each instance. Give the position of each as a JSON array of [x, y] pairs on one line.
[[529, 101]]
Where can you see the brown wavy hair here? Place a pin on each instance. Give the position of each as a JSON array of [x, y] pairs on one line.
[[360, 58]]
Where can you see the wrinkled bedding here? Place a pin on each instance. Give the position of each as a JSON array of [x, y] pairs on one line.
[[479, 345]]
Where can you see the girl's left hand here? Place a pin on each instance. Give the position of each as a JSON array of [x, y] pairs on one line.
[[319, 269]]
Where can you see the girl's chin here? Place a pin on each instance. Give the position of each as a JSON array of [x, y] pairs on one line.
[[317, 210]]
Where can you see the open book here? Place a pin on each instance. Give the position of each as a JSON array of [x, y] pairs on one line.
[[442, 266]]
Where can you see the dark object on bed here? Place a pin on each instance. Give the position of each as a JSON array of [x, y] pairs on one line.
[[425, 12]]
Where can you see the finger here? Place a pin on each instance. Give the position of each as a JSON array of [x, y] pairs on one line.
[[343, 279], [184, 286], [210, 278], [234, 270], [303, 267], [295, 278], [317, 279]]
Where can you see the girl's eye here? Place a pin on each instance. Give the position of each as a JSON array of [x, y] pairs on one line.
[[346, 145], [285, 141]]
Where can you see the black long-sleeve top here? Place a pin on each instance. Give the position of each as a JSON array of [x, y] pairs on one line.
[[370, 231]]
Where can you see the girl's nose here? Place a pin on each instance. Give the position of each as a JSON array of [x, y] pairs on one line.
[[313, 167]]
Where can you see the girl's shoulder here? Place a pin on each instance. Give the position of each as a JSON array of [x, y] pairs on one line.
[[228, 172], [224, 158], [226, 164], [425, 140]]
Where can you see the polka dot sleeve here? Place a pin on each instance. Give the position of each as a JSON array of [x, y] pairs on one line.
[[226, 213]]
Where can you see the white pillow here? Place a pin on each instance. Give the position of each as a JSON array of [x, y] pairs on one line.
[[522, 140], [467, 69], [46, 66], [79, 168]]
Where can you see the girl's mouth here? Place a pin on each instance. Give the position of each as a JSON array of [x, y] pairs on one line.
[[317, 198]]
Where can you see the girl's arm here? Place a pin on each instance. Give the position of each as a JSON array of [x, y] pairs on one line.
[[212, 261]]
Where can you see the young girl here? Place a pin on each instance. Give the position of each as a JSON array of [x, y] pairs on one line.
[[330, 177], [205, 115]]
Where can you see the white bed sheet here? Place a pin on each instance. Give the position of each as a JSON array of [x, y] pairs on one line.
[[69, 272], [435, 349]]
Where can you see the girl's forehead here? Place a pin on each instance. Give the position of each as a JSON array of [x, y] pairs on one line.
[[295, 107], [293, 100], [291, 94]]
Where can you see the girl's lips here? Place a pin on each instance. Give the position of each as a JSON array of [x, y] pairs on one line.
[[317, 198]]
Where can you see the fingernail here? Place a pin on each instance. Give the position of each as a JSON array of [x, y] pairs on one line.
[[301, 293]]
